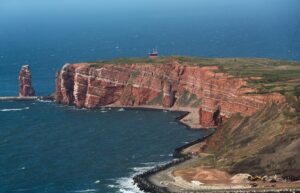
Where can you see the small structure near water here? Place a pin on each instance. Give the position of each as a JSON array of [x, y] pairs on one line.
[[153, 54]]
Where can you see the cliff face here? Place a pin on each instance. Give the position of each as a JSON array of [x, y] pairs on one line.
[[25, 87], [216, 96]]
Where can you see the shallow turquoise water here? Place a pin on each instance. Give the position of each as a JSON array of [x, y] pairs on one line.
[[50, 148]]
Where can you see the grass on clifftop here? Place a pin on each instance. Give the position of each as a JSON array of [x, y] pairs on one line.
[[184, 60]]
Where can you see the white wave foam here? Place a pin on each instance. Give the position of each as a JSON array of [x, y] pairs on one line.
[[87, 190], [149, 163], [139, 170], [121, 109], [44, 101], [125, 184], [72, 108], [21, 168], [20, 109]]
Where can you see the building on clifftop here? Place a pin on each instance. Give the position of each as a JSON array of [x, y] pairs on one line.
[[153, 54]]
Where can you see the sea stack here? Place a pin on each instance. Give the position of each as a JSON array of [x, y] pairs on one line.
[[26, 88]]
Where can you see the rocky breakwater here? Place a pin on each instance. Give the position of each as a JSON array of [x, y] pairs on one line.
[[213, 97], [25, 89]]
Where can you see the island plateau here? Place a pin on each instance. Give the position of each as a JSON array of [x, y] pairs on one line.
[[253, 105]]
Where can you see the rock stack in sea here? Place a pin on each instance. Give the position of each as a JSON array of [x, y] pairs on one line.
[[25, 88]]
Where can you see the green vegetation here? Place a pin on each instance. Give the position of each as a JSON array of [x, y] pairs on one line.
[[135, 74], [266, 75], [188, 99], [122, 61], [264, 144], [240, 146], [127, 93], [197, 103], [184, 98], [157, 100], [184, 60]]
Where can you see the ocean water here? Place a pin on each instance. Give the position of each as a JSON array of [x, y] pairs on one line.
[[47, 34], [51, 148]]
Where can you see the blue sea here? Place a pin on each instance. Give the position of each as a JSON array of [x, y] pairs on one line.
[[50, 148]]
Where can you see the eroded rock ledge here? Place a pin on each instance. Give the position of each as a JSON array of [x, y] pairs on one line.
[[212, 96]]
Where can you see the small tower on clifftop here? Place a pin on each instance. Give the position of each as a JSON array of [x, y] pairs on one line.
[[25, 87], [153, 54]]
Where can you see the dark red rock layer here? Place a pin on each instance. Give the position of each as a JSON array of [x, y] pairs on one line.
[[25, 87], [168, 85]]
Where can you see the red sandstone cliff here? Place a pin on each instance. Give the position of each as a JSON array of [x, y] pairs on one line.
[[216, 96], [25, 88]]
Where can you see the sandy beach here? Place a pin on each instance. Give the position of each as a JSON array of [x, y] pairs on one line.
[[207, 179]]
